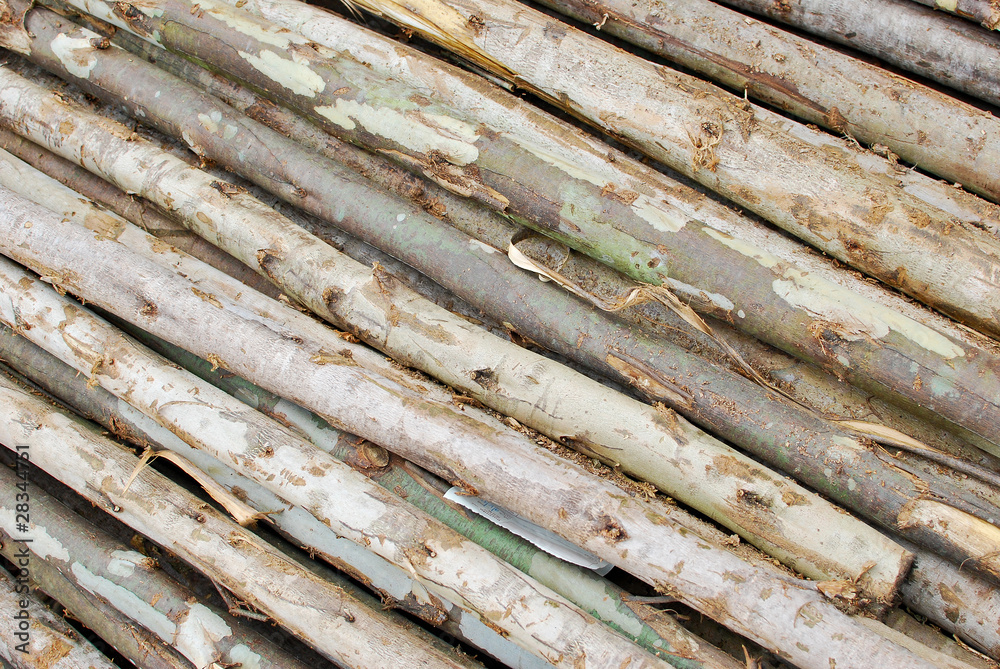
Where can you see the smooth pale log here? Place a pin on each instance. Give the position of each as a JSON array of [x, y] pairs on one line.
[[943, 48], [95, 563], [339, 626], [32, 636], [629, 532], [920, 125], [568, 406]]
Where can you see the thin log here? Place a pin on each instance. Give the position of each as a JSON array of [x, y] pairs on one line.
[[754, 157], [870, 344], [984, 12], [31, 635], [932, 637], [136, 644], [95, 563], [568, 407], [336, 624], [647, 540], [815, 83], [916, 39]]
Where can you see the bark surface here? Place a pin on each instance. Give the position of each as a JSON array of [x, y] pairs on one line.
[[327, 617], [812, 185], [97, 564], [984, 12], [913, 38]]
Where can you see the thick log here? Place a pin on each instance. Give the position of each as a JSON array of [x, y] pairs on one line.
[[916, 39], [869, 343], [644, 539], [568, 406], [920, 125]]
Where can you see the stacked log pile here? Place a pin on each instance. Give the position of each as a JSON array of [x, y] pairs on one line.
[[451, 333]]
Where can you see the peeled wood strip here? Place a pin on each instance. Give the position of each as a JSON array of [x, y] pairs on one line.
[[567, 406]]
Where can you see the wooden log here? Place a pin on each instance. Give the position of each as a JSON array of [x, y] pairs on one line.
[[896, 116], [756, 158], [93, 562], [336, 624], [913, 38], [31, 635], [137, 644], [984, 12]]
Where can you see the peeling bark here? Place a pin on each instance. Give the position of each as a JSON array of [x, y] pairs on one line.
[[567, 406], [956, 601], [599, 597], [913, 38], [136, 644], [95, 563], [427, 247], [817, 84], [263, 449], [648, 541]]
